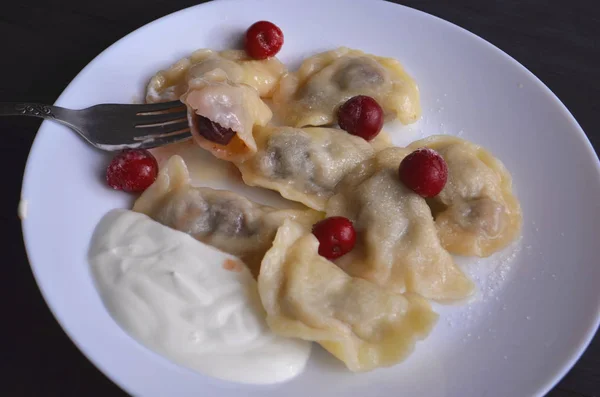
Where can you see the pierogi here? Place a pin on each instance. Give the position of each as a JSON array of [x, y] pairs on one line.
[[312, 95], [308, 297], [224, 87], [235, 109], [169, 84], [476, 213], [306, 164], [397, 244], [220, 218]]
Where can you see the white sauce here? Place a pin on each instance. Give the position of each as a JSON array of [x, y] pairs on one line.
[[176, 296]]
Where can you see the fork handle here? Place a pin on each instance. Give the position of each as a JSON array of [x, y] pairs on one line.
[[29, 109]]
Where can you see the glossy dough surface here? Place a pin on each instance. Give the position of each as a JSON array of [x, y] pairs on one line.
[[397, 246], [170, 84], [223, 219], [233, 106], [308, 297], [476, 213], [324, 81], [305, 164]]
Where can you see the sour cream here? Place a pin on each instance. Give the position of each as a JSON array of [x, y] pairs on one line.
[[188, 301]]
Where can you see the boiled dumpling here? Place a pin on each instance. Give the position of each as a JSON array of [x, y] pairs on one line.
[[476, 213], [397, 244], [223, 219], [308, 297], [170, 84], [305, 164], [222, 115], [312, 95]]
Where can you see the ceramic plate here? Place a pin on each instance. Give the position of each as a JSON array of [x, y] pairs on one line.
[[538, 305]]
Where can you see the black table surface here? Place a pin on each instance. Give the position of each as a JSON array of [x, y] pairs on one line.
[[46, 43]]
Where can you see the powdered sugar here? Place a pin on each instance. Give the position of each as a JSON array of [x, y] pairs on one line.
[[491, 276]]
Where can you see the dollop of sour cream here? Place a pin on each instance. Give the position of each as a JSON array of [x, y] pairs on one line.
[[188, 301]]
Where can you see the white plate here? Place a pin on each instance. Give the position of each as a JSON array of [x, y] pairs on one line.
[[540, 300]]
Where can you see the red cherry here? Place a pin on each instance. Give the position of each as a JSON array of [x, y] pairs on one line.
[[132, 170], [362, 116], [336, 236], [424, 171], [263, 39]]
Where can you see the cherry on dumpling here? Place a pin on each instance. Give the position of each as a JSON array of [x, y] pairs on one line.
[[336, 236], [361, 116], [424, 171]]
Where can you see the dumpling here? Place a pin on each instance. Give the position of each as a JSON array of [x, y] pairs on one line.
[[170, 84], [476, 213], [223, 114], [223, 219], [222, 92], [305, 164], [308, 297], [312, 95], [397, 245]]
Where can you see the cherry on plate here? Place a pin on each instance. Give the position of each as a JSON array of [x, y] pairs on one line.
[[362, 116], [424, 171], [132, 170], [263, 40], [336, 236]]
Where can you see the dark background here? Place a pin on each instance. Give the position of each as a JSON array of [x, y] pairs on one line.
[[44, 44]]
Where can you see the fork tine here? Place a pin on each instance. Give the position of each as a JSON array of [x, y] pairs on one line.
[[157, 131], [150, 119], [155, 107], [165, 140]]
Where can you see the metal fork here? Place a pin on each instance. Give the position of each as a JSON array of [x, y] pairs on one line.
[[114, 127]]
